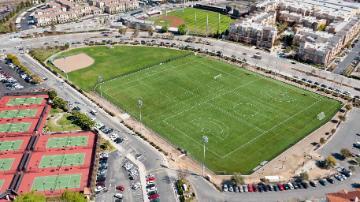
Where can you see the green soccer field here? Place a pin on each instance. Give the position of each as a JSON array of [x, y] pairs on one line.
[[247, 117], [6, 163], [198, 26], [24, 101], [62, 142], [7, 114], [56, 182], [10, 145], [62, 160], [14, 127]]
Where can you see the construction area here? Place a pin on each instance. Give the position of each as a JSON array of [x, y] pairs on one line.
[[31, 160]]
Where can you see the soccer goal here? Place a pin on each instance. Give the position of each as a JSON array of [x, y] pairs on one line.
[[217, 76], [321, 116]]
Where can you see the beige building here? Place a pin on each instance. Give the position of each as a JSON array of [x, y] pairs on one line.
[[115, 6], [256, 30]]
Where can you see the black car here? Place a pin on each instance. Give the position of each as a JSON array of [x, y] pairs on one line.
[[312, 183], [330, 180], [269, 187], [322, 182], [305, 185]]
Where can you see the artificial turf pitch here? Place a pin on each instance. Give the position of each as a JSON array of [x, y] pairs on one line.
[[6, 163], [10, 145], [62, 160], [56, 182], [62, 142], [248, 118], [8, 114], [14, 127], [24, 101], [195, 20]]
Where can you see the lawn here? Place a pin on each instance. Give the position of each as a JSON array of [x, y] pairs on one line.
[[60, 121], [111, 62], [187, 16], [248, 118]]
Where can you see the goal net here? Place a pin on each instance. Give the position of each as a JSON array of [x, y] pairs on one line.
[[217, 76]]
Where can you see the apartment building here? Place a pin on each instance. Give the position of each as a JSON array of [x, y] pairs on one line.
[[257, 30], [115, 6], [341, 20]]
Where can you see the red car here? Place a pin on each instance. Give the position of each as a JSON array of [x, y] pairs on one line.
[[120, 188], [150, 179], [250, 188], [254, 187], [154, 196], [281, 187]]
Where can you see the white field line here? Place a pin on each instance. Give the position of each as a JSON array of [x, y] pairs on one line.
[[275, 126]]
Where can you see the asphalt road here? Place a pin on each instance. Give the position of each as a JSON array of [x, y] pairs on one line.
[[342, 66]]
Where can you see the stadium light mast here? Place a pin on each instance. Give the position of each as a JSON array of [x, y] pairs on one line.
[[205, 140], [140, 103]]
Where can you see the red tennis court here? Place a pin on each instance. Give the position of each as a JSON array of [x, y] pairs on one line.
[[42, 161], [31, 181], [5, 181]]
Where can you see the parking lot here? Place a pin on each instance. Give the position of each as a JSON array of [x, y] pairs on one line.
[[10, 80], [117, 177]]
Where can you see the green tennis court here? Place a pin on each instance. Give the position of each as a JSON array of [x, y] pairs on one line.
[[62, 160], [5, 164], [62, 142], [1, 183], [55, 182], [24, 101], [8, 114], [10, 145], [14, 127]]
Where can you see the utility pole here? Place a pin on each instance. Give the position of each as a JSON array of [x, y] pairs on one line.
[[205, 140]]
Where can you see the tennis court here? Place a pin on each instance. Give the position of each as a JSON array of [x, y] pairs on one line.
[[70, 141], [56, 182], [62, 160], [6, 164], [14, 127], [8, 114], [10, 145], [24, 101]]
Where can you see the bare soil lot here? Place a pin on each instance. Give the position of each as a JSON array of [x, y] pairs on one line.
[[74, 62]]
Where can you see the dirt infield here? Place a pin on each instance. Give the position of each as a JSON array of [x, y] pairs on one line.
[[173, 20], [74, 62]]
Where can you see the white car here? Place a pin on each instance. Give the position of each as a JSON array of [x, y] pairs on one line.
[[118, 195], [98, 189]]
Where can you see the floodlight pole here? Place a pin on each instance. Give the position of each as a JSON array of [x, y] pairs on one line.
[[140, 104], [205, 141]]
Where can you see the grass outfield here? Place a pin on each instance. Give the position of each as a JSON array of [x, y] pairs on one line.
[[247, 117], [110, 62], [187, 15]]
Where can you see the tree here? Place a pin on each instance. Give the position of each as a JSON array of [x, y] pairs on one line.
[[322, 140], [82, 120], [238, 178], [321, 27], [182, 29], [36, 79], [164, 29], [330, 162], [348, 107], [122, 30], [71, 196], [31, 197], [345, 153], [52, 94], [60, 103], [342, 117], [304, 176], [151, 31]]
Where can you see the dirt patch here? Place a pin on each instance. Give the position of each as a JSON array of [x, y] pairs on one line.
[[173, 20], [74, 62]]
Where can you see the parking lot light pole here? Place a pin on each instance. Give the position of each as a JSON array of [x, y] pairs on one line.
[[205, 140]]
